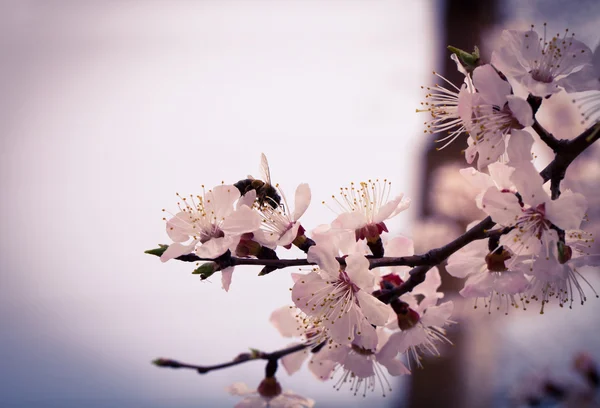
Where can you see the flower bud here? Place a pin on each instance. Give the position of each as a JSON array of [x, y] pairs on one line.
[[269, 388], [407, 317], [247, 246], [495, 260], [389, 281], [564, 252], [408, 320]]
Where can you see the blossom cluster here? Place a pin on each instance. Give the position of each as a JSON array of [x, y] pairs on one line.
[[359, 322], [539, 247]]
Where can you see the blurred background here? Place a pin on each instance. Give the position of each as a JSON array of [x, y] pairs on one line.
[[107, 108]]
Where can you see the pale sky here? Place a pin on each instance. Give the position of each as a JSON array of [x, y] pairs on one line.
[[109, 108]]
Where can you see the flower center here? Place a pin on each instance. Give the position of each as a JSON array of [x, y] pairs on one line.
[[361, 350], [534, 220], [541, 75], [344, 279], [213, 232]]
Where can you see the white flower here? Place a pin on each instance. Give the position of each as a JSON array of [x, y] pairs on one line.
[[499, 177], [532, 213], [421, 322], [555, 272], [340, 298], [268, 395], [445, 106], [422, 326], [589, 103], [291, 322], [279, 226], [494, 114], [543, 66], [210, 224], [367, 207], [360, 363], [489, 275]]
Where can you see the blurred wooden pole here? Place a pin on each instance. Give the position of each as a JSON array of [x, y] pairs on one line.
[[442, 383]]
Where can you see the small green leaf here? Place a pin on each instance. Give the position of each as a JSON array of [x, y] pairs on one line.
[[469, 59], [206, 270], [157, 251]]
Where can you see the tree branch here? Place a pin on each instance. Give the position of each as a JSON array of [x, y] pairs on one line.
[[547, 137], [555, 172], [240, 359], [535, 102], [566, 152]]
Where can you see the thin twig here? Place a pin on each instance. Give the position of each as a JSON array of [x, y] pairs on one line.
[[240, 359]]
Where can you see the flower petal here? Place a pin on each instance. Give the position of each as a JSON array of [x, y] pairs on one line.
[[588, 260], [243, 220], [240, 389], [375, 311], [477, 179], [399, 246], [289, 236], [519, 147], [177, 249], [220, 200], [359, 365], [478, 285], [437, 315], [395, 367], [500, 174], [320, 366], [357, 269], [247, 199], [521, 110], [463, 262], [567, 211], [226, 275], [215, 247], [428, 289], [404, 205], [252, 402], [491, 87], [179, 228], [529, 184], [293, 362], [397, 343], [350, 220], [302, 200], [504, 208], [324, 258], [284, 320]]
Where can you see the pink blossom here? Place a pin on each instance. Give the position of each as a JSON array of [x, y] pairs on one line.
[[208, 224], [543, 66], [340, 298]]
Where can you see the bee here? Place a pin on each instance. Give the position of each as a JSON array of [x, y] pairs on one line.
[[265, 192]]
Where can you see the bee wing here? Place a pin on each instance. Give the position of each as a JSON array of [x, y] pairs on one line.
[[265, 173], [250, 177]]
